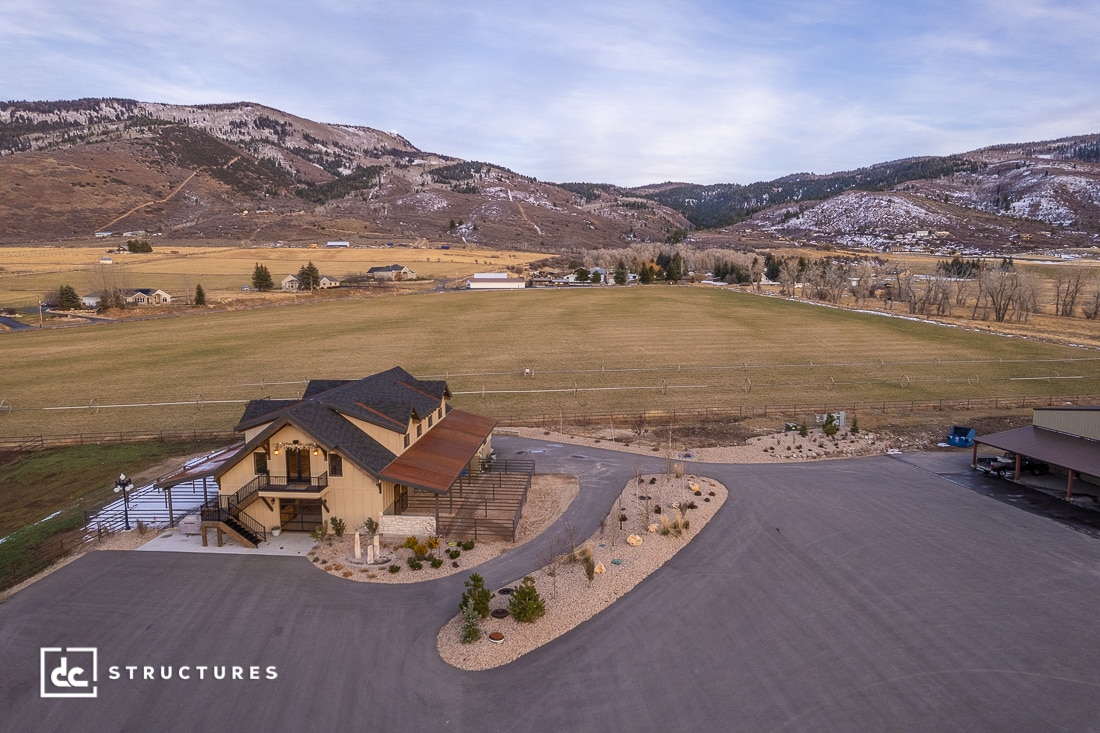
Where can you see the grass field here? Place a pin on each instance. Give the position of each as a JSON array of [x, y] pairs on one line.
[[26, 273], [589, 351], [43, 482]]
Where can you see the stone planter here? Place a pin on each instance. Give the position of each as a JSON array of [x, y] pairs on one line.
[[496, 637]]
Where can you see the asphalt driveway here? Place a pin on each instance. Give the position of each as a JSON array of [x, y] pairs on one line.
[[867, 594]]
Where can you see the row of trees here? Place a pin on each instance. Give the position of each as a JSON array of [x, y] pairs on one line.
[[988, 290]]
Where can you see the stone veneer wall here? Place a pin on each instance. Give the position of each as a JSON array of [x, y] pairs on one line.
[[403, 526]]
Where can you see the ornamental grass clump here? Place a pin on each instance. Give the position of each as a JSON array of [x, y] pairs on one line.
[[526, 605]]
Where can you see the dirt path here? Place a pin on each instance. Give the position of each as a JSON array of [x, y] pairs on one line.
[[167, 198]]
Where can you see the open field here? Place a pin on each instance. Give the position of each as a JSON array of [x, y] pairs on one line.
[[589, 351], [26, 273]]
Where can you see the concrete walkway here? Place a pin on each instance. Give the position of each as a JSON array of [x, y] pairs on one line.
[[867, 594], [291, 544]]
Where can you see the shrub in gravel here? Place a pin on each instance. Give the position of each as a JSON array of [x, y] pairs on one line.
[[437, 562], [454, 554], [468, 545], [526, 605], [476, 595], [471, 624], [394, 568], [415, 564]]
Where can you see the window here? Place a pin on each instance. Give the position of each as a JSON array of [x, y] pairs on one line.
[[419, 429], [259, 463], [431, 418], [335, 465], [406, 440]]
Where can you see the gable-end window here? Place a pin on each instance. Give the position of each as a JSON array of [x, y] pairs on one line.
[[431, 419], [406, 440], [419, 429], [259, 463], [335, 465]]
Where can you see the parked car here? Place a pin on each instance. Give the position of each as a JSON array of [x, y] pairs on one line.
[[1005, 465]]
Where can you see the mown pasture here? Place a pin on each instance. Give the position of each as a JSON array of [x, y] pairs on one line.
[[588, 351]]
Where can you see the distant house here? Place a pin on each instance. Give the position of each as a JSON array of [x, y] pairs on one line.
[[290, 283], [494, 281], [391, 272], [338, 245], [140, 296], [147, 296]]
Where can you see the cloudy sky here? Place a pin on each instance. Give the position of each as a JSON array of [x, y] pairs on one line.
[[633, 92]]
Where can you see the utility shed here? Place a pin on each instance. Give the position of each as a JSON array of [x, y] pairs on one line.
[[1068, 437]]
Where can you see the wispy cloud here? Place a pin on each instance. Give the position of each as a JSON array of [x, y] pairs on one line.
[[625, 92]]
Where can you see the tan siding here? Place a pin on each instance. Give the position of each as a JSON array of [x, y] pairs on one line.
[[1083, 423], [390, 439]]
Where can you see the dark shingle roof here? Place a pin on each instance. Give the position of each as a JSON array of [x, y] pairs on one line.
[[388, 399]]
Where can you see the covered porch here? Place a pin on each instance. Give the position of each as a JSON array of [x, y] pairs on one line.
[[1076, 455], [451, 477]]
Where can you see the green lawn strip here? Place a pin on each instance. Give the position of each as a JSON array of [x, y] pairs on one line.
[[47, 481]]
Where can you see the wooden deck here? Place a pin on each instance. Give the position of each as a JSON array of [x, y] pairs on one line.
[[482, 506]]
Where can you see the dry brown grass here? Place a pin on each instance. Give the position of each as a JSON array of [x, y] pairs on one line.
[[656, 348]]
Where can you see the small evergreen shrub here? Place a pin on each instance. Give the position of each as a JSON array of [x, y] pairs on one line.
[[395, 568], [468, 545], [471, 623], [454, 554], [415, 564], [526, 605], [338, 526], [437, 562], [476, 595]]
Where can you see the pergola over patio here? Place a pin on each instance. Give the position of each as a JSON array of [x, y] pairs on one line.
[[208, 467]]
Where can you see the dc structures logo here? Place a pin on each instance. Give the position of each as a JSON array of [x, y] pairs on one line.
[[69, 671]]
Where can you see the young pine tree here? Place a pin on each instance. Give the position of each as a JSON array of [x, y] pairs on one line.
[[526, 605], [261, 278]]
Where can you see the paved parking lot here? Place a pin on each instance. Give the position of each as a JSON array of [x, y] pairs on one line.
[[867, 594]]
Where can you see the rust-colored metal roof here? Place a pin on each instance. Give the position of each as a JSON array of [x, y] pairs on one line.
[[435, 461], [1059, 449], [211, 465]]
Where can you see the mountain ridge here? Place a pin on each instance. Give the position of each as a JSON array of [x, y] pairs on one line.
[[70, 168]]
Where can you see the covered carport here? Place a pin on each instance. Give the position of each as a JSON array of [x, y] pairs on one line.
[[1076, 454]]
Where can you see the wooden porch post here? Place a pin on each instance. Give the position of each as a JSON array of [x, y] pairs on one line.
[[171, 518], [1069, 486], [974, 456]]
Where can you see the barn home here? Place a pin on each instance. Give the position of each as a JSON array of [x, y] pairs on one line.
[[386, 447]]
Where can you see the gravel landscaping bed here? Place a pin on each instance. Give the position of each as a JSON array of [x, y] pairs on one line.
[[570, 598]]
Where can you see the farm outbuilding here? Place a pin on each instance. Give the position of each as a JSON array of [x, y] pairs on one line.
[[494, 281], [1066, 437]]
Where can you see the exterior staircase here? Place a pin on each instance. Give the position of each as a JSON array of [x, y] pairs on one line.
[[227, 516]]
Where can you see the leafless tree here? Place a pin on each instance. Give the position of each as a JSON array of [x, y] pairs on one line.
[[863, 281], [1091, 308], [788, 276], [1067, 289]]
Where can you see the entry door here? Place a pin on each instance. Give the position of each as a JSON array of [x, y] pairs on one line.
[[297, 466]]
